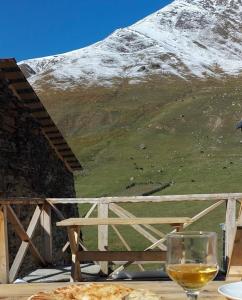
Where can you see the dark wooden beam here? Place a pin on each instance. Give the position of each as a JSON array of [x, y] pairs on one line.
[[158, 256], [22, 201], [9, 69]]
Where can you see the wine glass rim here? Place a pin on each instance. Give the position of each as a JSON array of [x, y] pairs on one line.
[[192, 234]]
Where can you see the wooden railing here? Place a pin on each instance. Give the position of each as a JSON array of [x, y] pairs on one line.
[[103, 206], [42, 216]]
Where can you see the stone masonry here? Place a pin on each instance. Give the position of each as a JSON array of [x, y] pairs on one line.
[[29, 167]]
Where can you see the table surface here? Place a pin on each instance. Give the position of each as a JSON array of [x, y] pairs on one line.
[[123, 221], [168, 290]]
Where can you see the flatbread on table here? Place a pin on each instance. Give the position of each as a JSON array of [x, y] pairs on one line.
[[96, 291], [142, 295], [92, 291]]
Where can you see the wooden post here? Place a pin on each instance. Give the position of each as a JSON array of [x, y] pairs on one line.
[[45, 223], [230, 227], [74, 236], [103, 234], [4, 259], [178, 227], [234, 267]]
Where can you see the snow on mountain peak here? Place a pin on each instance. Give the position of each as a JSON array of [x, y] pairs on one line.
[[186, 38]]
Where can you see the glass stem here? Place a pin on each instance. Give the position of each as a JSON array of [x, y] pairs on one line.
[[192, 295]]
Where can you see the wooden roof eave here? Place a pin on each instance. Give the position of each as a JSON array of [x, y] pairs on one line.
[[23, 91]]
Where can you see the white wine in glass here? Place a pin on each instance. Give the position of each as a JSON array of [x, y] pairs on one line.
[[192, 260]]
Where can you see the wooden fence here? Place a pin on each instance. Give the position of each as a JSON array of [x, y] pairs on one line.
[[44, 208]]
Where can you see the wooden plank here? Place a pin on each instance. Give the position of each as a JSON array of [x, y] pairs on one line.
[[159, 242], [61, 217], [124, 242], [75, 166], [40, 114], [130, 215], [4, 255], [21, 201], [18, 227], [9, 69], [40, 109], [57, 211], [28, 90], [72, 160], [25, 244], [123, 221], [230, 227], [35, 105], [67, 244], [14, 75], [158, 256], [90, 210], [166, 290], [20, 85], [122, 239], [154, 199], [234, 268], [50, 129], [56, 134], [66, 153], [204, 212], [142, 262], [62, 146], [46, 123], [236, 255], [239, 219], [56, 139], [8, 63], [16, 80], [45, 223], [56, 151], [138, 228], [193, 219], [74, 236], [33, 100], [234, 273], [27, 96], [102, 233]]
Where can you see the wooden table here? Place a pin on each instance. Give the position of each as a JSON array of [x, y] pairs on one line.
[[74, 225], [168, 290]]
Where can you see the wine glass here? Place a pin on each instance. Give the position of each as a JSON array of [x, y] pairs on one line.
[[192, 260]]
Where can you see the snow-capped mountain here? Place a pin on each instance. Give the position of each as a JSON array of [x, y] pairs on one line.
[[187, 38]]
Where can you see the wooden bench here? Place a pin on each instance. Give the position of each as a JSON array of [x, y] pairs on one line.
[[74, 225]]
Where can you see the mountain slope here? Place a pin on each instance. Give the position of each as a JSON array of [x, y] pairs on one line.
[[153, 103], [188, 38], [153, 133]]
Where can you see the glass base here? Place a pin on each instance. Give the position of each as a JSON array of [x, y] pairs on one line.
[[192, 295]]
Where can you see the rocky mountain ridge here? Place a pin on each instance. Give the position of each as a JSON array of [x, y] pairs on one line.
[[188, 38]]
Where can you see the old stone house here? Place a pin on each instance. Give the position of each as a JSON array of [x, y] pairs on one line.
[[35, 159]]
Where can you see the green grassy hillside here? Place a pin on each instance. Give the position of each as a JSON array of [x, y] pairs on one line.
[[144, 135], [133, 138]]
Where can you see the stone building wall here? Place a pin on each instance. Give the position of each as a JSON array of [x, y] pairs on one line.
[[29, 167]]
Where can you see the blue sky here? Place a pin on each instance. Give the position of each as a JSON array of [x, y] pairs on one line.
[[35, 28]]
